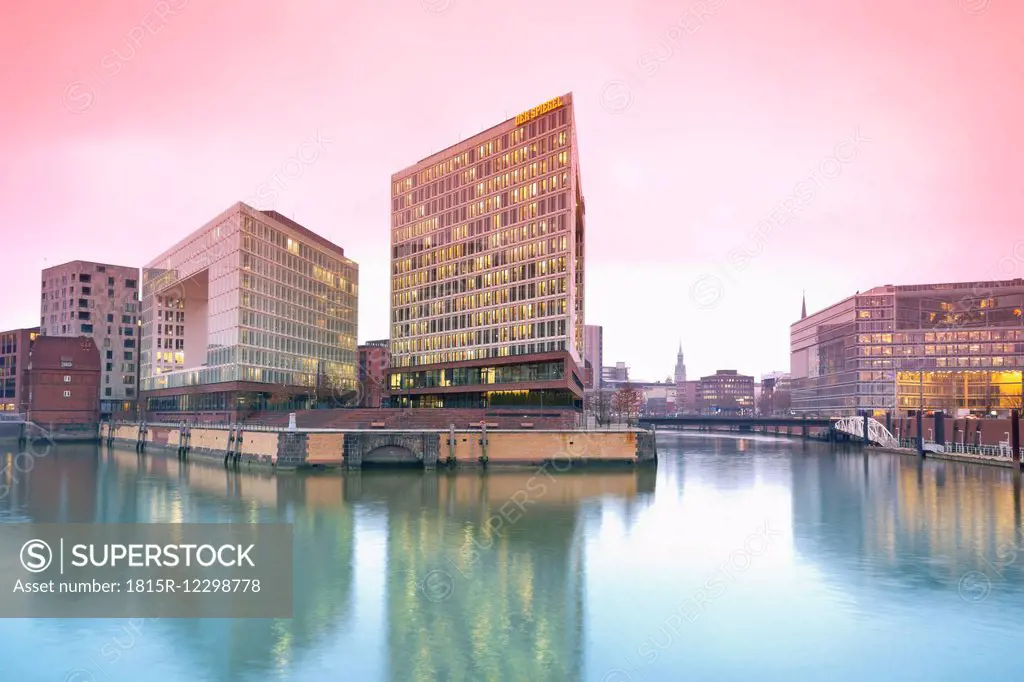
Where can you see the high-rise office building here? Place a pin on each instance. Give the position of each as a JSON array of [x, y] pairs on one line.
[[956, 347], [250, 312], [101, 301], [593, 352], [487, 268]]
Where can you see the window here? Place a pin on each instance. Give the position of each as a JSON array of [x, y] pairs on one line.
[[67, 378], [87, 329], [66, 362], [83, 278], [67, 394], [130, 283]]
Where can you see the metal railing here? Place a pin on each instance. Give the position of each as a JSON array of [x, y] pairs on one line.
[[1000, 451]]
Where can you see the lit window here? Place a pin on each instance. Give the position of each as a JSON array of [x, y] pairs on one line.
[[67, 378], [67, 394]]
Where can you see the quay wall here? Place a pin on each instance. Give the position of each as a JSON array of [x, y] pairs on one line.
[[353, 448]]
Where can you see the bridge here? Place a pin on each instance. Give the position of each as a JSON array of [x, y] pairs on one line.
[[711, 421], [856, 428]]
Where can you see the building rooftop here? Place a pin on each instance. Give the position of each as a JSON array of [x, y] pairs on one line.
[[977, 287], [305, 232], [89, 262], [467, 143]]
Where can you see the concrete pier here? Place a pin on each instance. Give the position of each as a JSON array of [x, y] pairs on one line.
[[279, 448]]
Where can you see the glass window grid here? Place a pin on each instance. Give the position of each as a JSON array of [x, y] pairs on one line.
[[261, 329], [470, 180]]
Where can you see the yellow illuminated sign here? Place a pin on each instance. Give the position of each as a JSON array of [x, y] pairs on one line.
[[528, 116]]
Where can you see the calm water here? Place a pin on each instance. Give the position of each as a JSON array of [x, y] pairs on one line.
[[737, 559]]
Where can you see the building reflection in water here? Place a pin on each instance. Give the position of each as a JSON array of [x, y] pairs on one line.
[[468, 596], [485, 572], [926, 523], [87, 484]]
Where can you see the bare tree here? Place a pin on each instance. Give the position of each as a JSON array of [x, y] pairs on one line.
[[627, 402], [599, 404]]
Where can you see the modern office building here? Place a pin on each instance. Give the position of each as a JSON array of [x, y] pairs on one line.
[[727, 392], [487, 258], [593, 354], [374, 361], [250, 312], [101, 301], [14, 350], [957, 347]]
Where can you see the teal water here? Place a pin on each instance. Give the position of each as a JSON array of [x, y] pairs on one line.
[[737, 558]]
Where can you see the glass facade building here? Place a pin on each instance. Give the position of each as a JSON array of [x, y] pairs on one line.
[[250, 312], [487, 267], [956, 348]]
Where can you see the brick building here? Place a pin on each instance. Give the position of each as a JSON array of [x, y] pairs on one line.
[[101, 301], [62, 380], [374, 360], [14, 350], [727, 392], [688, 397]]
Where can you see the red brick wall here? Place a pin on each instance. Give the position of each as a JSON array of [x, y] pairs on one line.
[[64, 364], [374, 362]]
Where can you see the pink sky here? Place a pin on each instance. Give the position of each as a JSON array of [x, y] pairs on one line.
[[747, 100]]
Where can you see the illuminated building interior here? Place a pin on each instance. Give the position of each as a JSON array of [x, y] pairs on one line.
[[251, 312], [727, 391], [14, 352], [960, 345], [487, 256]]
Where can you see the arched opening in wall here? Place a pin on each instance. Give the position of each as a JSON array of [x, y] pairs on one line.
[[391, 456]]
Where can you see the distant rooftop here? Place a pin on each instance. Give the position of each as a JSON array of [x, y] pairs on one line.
[[89, 262]]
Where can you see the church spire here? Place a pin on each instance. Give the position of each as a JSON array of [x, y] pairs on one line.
[[803, 305]]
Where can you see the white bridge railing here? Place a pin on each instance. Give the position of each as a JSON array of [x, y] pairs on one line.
[[877, 433]]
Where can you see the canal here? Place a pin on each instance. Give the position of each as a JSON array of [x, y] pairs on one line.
[[736, 558]]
